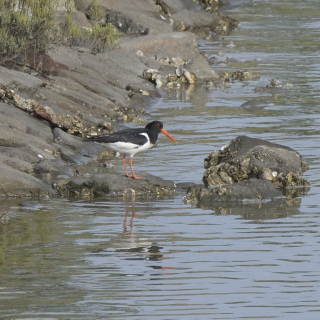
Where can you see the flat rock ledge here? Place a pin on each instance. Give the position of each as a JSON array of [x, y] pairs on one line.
[[113, 185], [249, 169]]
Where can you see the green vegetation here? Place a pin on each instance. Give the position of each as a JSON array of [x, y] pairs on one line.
[[25, 25], [98, 38], [102, 34], [96, 12], [71, 31], [28, 26]]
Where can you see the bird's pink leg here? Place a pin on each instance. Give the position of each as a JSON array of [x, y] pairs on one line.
[[133, 174], [125, 167]]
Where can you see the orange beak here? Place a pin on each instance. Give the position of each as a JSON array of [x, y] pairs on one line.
[[168, 135]]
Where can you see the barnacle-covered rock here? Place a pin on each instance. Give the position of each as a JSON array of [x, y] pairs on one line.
[[242, 75], [151, 75], [191, 77], [244, 158], [226, 25], [250, 163], [170, 75]]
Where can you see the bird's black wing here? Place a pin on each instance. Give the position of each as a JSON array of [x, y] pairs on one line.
[[126, 135]]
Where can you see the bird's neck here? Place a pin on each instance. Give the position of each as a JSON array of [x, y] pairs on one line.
[[153, 137]]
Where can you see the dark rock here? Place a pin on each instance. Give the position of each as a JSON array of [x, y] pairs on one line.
[[245, 158], [251, 189], [250, 169]]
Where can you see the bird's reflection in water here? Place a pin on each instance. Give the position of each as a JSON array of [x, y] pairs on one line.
[[143, 251], [130, 212], [134, 246]]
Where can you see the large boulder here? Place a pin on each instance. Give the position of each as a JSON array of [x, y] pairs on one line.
[[250, 169]]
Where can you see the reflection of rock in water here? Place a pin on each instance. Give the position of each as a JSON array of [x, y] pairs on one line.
[[250, 169], [278, 208]]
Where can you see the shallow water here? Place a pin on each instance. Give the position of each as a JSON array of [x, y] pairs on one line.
[[162, 259]]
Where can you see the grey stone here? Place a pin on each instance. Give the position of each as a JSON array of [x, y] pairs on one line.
[[250, 169]]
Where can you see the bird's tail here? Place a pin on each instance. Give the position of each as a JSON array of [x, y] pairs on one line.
[[101, 138]]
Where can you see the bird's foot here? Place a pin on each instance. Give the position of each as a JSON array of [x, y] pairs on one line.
[[133, 176], [137, 178]]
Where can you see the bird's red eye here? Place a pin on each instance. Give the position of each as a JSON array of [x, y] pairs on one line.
[[158, 124]]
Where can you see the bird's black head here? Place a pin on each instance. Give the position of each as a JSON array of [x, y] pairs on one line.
[[155, 126]]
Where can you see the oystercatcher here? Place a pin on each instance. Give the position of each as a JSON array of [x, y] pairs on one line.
[[131, 141]]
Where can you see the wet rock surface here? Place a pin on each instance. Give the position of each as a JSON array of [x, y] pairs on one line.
[[250, 169], [251, 189], [115, 185]]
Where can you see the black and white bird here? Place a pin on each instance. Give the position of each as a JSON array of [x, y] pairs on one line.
[[131, 141]]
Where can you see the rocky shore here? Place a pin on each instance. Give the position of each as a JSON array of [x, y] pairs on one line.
[[45, 114]]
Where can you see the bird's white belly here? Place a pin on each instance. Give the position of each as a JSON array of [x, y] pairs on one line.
[[127, 148]]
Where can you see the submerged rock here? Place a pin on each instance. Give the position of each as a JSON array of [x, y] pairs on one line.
[[254, 105], [274, 87], [242, 75], [250, 168]]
